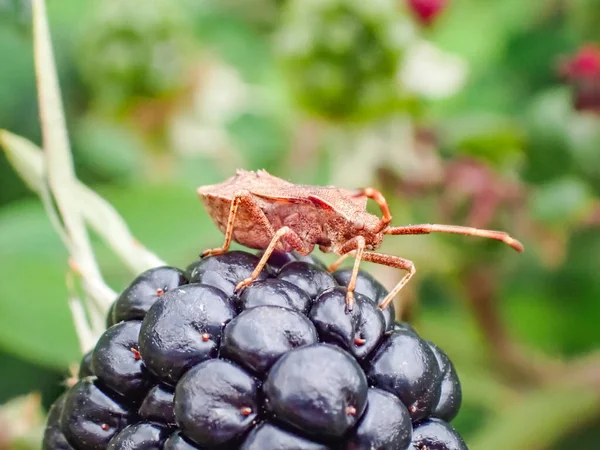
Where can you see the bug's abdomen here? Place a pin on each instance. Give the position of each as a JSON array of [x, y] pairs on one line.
[[218, 210]]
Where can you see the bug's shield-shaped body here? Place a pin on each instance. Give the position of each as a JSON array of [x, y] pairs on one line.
[[264, 212], [267, 203]]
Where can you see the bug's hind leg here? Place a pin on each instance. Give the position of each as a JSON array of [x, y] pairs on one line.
[[241, 197], [391, 261], [291, 238]]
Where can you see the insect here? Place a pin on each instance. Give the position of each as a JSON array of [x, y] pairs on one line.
[[261, 211]]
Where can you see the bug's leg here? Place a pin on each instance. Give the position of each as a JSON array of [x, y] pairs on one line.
[[378, 197], [358, 254], [235, 203], [354, 247], [338, 262], [397, 263], [455, 229], [347, 250], [291, 237]]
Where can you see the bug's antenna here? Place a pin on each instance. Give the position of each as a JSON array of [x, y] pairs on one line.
[[455, 229]]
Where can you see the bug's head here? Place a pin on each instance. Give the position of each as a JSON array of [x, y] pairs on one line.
[[370, 227]]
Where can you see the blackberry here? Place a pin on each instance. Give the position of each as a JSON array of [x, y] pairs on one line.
[[157, 407], [216, 402], [385, 425], [90, 418], [267, 436], [451, 393], [357, 332], [368, 286], [183, 328], [85, 366], [320, 390], [274, 292], [117, 361], [311, 278], [435, 434], [279, 259], [141, 436], [279, 365], [177, 442], [405, 366], [135, 301], [260, 336], [224, 271], [54, 439]]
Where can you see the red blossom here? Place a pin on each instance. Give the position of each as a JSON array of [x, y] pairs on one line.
[[427, 11], [582, 72], [584, 64]]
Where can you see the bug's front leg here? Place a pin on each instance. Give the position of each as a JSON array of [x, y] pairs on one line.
[[291, 237], [378, 197], [396, 262], [354, 247], [235, 203]]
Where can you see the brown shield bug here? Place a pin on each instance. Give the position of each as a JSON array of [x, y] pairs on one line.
[[264, 212]]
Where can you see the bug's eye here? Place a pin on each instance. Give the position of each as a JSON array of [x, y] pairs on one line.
[[359, 224]]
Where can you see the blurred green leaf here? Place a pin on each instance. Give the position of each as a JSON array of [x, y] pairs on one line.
[[546, 122], [34, 319], [562, 201], [584, 142], [107, 151], [263, 141], [233, 39], [538, 419], [584, 19], [492, 21], [19, 377], [169, 219], [492, 138]]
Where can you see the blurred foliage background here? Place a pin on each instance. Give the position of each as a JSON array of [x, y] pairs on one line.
[[474, 112]]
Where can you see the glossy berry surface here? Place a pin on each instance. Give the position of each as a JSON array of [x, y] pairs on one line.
[[278, 365], [405, 366], [54, 439], [279, 259], [357, 332], [385, 425], [267, 436], [140, 436], [183, 328], [311, 278], [260, 336], [90, 418], [117, 361], [273, 292], [177, 442], [224, 271], [216, 402], [135, 301], [319, 389], [451, 392], [157, 406], [435, 434], [368, 286], [85, 366]]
